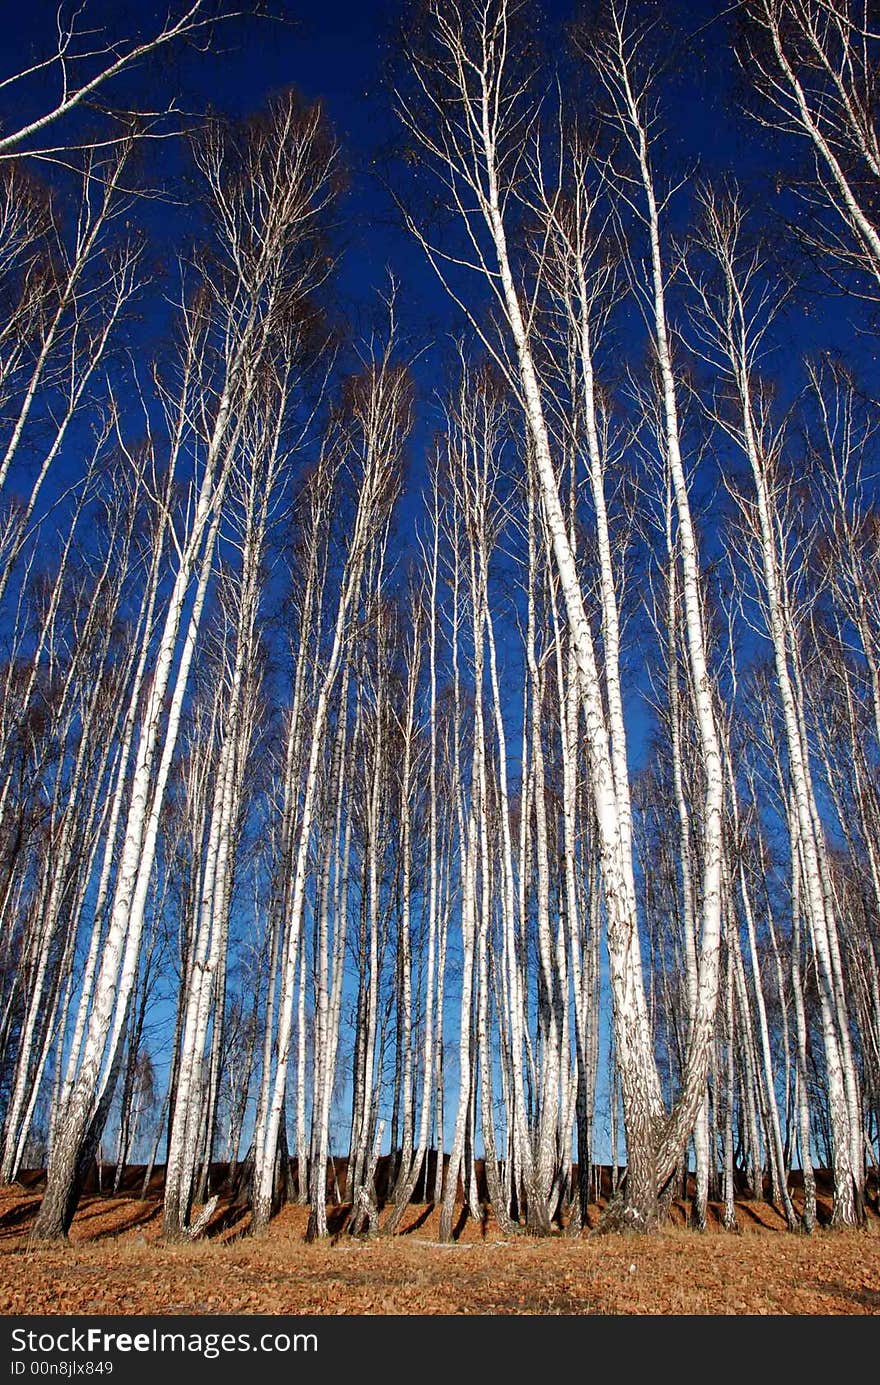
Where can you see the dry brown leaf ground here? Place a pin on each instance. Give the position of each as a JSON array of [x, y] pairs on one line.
[[117, 1262]]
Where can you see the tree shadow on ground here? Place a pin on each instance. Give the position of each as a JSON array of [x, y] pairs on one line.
[[225, 1220], [127, 1215], [865, 1298], [11, 1222], [419, 1221]]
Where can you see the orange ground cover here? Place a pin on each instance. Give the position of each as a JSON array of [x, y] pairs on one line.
[[117, 1262]]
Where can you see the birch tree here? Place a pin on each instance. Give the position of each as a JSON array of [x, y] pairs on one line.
[[369, 444], [737, 326], [266, 189], [470, 114]]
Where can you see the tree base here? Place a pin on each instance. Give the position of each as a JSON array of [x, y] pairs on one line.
[[624, 1217]]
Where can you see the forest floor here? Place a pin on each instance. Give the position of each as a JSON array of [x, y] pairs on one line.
[[116, 1262]]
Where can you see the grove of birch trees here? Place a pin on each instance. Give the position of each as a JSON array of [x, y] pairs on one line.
[[450, 760]]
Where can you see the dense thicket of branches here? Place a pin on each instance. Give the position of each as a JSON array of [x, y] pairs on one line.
[[534, 818]]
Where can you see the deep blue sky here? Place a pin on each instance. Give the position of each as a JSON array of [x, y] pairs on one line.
[[337, 51]]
